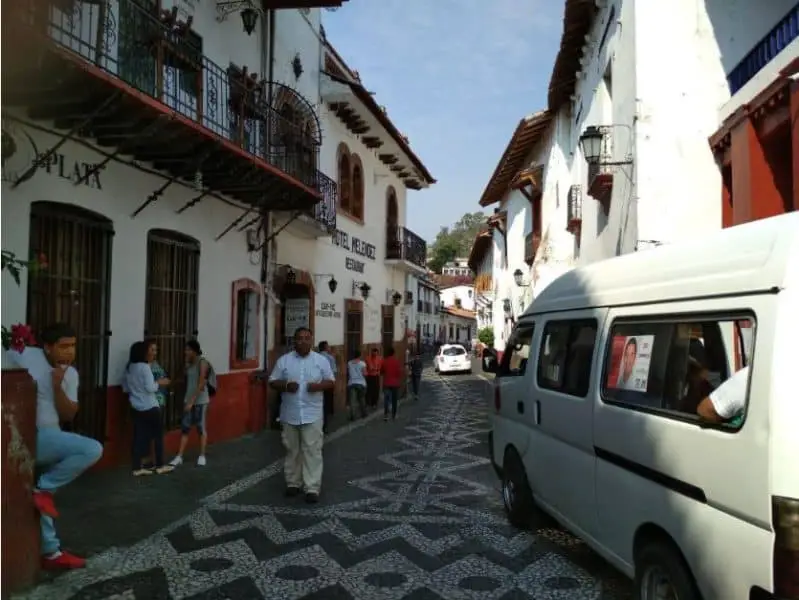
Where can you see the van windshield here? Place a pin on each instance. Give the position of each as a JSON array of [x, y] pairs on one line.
[[456, 351]]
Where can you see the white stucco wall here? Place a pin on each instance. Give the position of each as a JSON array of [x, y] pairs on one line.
[[123, 191], [464, 293], [663, 107]]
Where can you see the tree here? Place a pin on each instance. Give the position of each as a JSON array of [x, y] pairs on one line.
[[486, 335], [455, 241]]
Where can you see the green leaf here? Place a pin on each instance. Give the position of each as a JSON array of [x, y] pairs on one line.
[[14, 271]]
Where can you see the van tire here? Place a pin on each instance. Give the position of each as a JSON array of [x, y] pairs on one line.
[[516, 493], [664, 557]]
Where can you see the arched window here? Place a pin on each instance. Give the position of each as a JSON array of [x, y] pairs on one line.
[[344, 179], [357, 187]]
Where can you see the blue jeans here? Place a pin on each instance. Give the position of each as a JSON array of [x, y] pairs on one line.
[[61, 457], [390, 396], [195, 417]]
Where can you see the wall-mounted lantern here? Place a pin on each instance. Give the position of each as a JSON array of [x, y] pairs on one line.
[[396, 298], [248, 9], [518, 278], [362, 287], [593, 143]]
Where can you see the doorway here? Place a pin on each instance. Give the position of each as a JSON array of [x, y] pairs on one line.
[[353, 327]]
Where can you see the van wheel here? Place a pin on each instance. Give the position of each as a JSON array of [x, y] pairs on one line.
[[661, 574], [516, 493]]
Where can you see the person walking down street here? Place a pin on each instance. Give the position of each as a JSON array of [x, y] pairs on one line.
[[61, 456], [374, 366], [392, 380], [415, 366], [195, 403], [302, 376], [329, 395], [148, 428], [356, 385]]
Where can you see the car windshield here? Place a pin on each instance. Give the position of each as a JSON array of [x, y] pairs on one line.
[[455, 351]]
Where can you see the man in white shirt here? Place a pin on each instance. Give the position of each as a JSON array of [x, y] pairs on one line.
[[60, 455], [302, 376], [726, 403]]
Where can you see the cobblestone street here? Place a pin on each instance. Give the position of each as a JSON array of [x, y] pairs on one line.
[[410, 509]]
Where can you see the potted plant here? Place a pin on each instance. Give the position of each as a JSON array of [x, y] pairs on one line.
[[20, 524]]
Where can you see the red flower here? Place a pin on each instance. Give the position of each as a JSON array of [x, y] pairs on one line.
[[41, 260], [21, 336]]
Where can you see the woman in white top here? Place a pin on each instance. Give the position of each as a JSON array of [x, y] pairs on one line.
[[142, 389], [356, 384]]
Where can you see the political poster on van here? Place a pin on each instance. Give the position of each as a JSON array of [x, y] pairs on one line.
[[630, 358]]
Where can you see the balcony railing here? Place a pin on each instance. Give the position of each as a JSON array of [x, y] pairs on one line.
[[775, 41], [162, 57], [404, 244], [574, 207], [324, 212], [531, 243]]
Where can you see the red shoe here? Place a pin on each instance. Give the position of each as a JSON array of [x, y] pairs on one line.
[[63, 561], [44, 503]]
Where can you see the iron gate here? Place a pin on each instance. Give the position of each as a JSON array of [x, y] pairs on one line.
[[170, 319], [75, 288]]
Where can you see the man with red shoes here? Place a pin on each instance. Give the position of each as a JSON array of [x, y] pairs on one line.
[[61, 456]]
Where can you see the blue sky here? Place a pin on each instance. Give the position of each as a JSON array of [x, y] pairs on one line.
[[456, 77]]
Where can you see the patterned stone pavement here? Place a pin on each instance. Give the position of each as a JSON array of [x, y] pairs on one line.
[[410, 510]]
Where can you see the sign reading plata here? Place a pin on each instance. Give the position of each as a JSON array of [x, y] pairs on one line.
[[328, 311], [354, 245]]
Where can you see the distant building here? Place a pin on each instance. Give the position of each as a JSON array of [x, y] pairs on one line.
[[457, 267]]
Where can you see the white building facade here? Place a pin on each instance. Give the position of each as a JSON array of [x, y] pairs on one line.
[[426, 320], [527, 247], [458, 326], [160, 218], [458, 267], [459, 296], [655, 181]]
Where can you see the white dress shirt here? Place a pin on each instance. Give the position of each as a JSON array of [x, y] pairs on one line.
[[302, 406]]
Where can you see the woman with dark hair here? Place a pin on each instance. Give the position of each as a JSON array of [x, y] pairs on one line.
[[148, 428]]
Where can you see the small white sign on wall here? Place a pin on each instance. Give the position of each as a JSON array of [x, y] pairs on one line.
[[297, 313]]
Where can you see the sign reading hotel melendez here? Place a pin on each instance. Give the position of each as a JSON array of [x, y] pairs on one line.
[[356, 246]]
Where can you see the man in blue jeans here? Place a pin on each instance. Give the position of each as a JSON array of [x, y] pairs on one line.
[[61, 456]]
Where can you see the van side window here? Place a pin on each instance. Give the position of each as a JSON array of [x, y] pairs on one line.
[[567, 350], [517, 351], [671, 365]]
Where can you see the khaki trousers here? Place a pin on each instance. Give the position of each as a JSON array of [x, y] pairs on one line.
[[303, 465]]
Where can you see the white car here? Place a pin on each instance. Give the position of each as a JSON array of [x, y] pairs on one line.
[[452, 358]]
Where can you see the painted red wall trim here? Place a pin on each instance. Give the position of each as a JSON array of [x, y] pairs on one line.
[[239, 408]]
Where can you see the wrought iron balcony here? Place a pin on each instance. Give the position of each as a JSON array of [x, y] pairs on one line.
[[325, 211], [402, 244], [775, 41], [531, 242], [151, 57], [574, 209]]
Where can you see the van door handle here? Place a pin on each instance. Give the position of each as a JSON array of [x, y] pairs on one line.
[[537, 412], [520, 407]]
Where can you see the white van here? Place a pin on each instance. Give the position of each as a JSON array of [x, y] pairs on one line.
[[596, 413]]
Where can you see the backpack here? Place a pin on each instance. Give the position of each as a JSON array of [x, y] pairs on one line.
[[210, 381]]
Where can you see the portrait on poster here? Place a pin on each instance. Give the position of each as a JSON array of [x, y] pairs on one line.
[[630, 358]]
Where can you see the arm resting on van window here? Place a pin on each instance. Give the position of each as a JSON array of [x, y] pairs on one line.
[[727, 400]]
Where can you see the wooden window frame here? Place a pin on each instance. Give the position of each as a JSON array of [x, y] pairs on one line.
[[345, 187], [357, 193], [238, 286]]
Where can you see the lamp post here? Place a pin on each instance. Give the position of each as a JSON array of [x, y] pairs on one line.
[[591, 144]]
